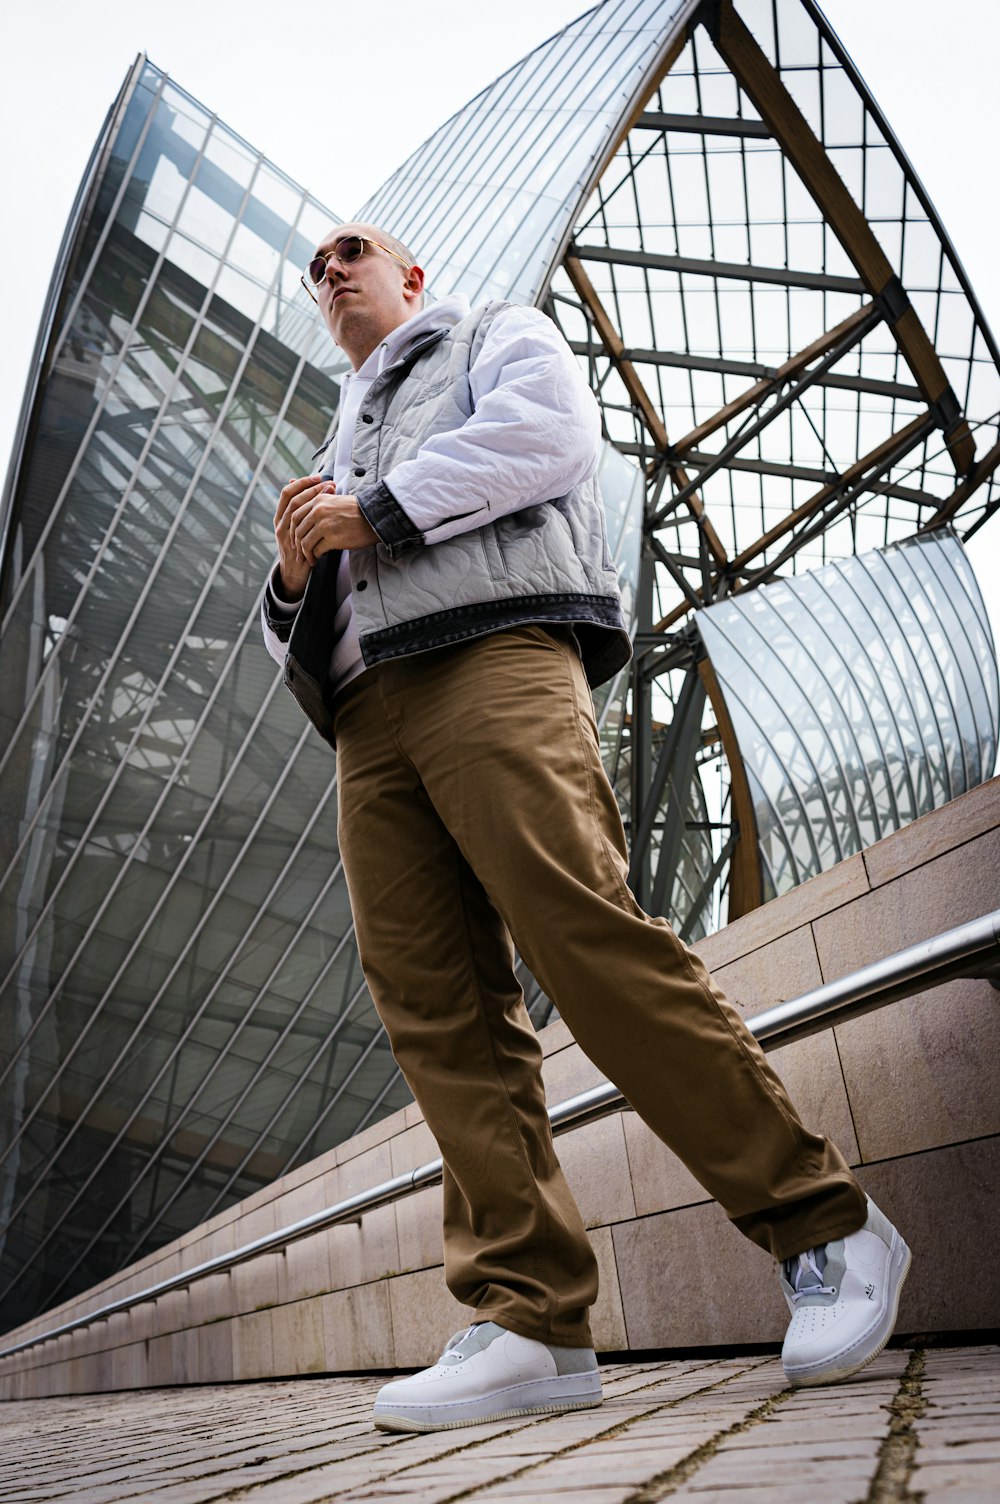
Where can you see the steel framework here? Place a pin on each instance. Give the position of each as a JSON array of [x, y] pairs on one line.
[[747, 452]]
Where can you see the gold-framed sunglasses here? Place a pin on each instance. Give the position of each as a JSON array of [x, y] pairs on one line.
[[346, 251]]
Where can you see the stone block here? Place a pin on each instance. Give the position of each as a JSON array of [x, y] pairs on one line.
[[567, 1072], [360, 1173], [304, 1268], [254, 1284], [219, 1238], [160, 1366], [255, 1221], [142, 1321], [413, 1147], [88, 1375], [689, 1279], [418, 1229], [365, 1250], [555, 1036], [117, 1331], [357, 1328], [130, 1367], [215, 1352], [783, 969], [597, 1169], [301, 1199], [812, 1073], [821, 895], [185, 1357], [944, 1202], [659, 1180], [370, 1138], [424, 1315], [299, 1338], [210, 1298], [960, 885], [173, 1311], [253, 1346], [963, 820], [922, 1072], [607, 1319]]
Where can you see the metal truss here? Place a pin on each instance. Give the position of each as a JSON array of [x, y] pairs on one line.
[[754, 465]]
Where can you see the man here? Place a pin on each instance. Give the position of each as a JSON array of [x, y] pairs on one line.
[[442, 601]]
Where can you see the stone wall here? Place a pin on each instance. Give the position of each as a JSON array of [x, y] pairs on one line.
[[909, 1093]]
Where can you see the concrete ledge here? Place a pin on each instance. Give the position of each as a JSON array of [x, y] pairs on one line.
[[909, 1094]]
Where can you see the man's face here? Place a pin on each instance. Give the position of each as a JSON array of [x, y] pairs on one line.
[[363, 301]]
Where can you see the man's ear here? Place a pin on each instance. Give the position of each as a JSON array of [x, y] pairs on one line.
[[413, 283]]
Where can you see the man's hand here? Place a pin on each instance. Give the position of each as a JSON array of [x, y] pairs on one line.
[[325, 521], [311, 521]]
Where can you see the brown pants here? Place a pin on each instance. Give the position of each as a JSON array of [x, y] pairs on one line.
[[473, 808]]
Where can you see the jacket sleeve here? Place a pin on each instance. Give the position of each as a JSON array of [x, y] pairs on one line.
[[276, 619], [534, 433]]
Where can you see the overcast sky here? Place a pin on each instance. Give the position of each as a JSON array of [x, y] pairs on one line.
[[338, 94]]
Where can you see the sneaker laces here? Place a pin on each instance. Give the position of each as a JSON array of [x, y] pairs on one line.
[[804, 1272], [454, 1348]]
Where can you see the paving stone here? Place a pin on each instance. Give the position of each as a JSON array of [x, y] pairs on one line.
[[309, 1441]]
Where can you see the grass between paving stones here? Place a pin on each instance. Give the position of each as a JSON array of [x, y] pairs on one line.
[[897, 1454]]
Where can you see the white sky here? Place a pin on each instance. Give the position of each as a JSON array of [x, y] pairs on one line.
[[338, 94]]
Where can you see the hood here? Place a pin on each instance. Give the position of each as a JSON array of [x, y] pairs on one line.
[[444, 314]]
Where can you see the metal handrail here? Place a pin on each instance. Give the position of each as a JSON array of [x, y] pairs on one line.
[[971, 949]]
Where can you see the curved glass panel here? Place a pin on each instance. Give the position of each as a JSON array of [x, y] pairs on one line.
[[182, 1004], [485, 202], [862, 695]]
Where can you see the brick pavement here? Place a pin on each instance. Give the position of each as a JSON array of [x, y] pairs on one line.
[[915, 1425]]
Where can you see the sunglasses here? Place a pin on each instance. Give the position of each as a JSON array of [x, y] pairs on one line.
[[346, 251]]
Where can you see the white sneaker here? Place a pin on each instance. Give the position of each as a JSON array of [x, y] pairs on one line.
[[844, 1298], [487, 1373]]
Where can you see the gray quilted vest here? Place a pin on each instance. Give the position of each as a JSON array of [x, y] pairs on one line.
[[546, 562]]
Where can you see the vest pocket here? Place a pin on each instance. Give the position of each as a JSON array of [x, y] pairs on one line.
[[495, 561]]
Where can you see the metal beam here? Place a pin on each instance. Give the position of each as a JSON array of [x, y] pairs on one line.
[[612, 341], [801, 472], [853, 484], [763, 85], [901, 390], [701, 125], [842, 338], [738, 270], [745, 886], [961, 494], [883, 455], [856, 329], [677, 753]]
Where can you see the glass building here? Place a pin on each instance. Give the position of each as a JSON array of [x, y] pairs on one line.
[[799, 397]]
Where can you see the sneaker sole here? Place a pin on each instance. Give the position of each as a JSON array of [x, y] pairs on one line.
[[844, 1364], [538, 1397]]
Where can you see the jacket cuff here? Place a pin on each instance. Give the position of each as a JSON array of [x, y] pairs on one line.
[[386, 517], [278, 614]]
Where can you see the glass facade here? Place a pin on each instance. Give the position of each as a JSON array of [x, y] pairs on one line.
[[182, 1003], [487, 200], [769, 310], [862, 694], [184, 1017]]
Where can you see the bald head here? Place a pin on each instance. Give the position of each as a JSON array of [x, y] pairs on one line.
[[363, 300]]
